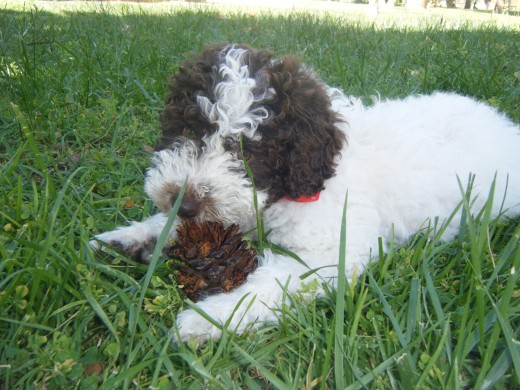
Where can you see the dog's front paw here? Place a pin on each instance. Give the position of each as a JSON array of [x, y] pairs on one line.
[[192, 326], [136, 241], [237, 312], [125, 241]]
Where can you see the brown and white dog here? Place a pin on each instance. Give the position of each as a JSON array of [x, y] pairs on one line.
[[308, 145]]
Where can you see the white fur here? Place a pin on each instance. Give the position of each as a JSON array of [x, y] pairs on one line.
[[209, 173], [134, 236], [233, 99], [400, 168]]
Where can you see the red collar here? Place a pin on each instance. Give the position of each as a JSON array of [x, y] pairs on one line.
[[304, 199]]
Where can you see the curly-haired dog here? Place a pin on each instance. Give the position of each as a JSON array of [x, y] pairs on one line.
[[308, 145]]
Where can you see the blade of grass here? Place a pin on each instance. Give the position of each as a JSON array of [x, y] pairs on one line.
[[478, 239], [144, 327], [339, 319], [328, 353], [125, 375], [29, 325], [395, 323], [161, 241], [502, 313], [434, 357], [36, 153], [498, 370], [412, 312], [386, 364], [99, 310], [277, 382], [259, 218]]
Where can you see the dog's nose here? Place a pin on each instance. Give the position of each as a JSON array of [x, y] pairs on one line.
[[189, 207]]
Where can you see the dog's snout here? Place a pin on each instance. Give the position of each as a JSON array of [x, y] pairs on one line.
[[189, 207]]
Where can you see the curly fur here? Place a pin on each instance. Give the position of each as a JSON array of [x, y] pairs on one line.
[[401, 167], [286, 104], [197, 77]]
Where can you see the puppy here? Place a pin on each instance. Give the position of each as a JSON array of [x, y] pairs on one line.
[[308, 145]]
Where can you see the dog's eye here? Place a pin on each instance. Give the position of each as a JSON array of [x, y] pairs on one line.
[[188, 133]]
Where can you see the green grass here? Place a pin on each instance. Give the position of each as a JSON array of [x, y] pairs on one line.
[[82, 85]]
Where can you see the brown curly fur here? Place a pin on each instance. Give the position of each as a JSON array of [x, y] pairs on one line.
[[197, 76], [299, 142]]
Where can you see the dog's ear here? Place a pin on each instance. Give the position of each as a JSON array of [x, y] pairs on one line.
[[300, 142], [181, 115]]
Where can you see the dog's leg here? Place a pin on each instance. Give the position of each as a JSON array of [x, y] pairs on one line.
[[257, 301], [251, 305], [137, 240]]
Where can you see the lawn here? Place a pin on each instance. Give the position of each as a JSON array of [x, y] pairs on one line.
[[82, 86]]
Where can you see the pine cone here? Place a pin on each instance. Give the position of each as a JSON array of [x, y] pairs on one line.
[[212, 259]]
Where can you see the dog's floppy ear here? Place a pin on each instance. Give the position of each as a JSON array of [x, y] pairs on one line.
[[181, 114], [300, 142]]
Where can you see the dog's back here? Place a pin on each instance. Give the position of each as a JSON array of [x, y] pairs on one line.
[[408, 156]]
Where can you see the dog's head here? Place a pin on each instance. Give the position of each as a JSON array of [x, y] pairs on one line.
[[231, 104]]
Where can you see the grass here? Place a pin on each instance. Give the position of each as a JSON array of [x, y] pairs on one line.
[[82, 85]]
